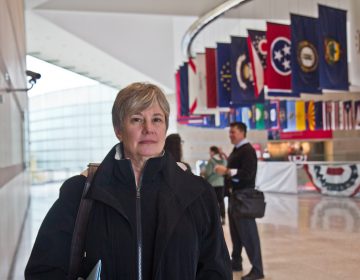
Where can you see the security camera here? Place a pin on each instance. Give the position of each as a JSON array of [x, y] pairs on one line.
[[33, 76]]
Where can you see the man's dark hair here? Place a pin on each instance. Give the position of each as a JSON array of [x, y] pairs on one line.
[[215, 150], [240, 126]]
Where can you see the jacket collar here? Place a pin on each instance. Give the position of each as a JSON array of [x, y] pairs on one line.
[[180, 190]]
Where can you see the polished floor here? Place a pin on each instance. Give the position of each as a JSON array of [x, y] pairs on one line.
[[304, 236]]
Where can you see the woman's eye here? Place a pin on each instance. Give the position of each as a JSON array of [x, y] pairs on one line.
[[136, 120], [157, 120]]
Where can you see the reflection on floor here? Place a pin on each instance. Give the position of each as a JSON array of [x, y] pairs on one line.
[[305, 236]]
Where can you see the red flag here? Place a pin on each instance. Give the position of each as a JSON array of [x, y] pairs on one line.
[[278, 60], [211, 78]]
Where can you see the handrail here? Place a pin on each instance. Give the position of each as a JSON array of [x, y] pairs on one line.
[[203, 21]]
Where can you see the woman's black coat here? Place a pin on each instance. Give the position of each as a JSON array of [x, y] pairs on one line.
[[182, 235]]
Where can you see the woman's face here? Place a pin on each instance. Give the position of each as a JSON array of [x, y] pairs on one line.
[[143, 134]]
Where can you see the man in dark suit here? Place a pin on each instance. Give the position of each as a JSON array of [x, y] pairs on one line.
[[241, 170]]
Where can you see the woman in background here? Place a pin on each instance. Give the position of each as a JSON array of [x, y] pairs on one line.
[[216, 180], [173, 145]]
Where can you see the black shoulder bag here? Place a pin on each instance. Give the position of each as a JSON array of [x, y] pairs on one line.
[[78, 238], [248, 203]]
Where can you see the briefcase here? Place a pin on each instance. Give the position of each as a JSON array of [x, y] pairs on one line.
[[248, 203]]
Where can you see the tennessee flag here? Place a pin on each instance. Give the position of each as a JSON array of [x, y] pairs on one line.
[[278, 72]]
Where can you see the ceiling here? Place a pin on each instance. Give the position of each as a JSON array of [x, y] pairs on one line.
[[119, 42]]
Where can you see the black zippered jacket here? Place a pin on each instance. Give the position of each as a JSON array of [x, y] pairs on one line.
[[181, 235]]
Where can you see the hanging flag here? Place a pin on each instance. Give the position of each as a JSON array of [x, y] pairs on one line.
[[193, 86], [304, 55], [223, 74], [278, 71], [310, 115], [300, 115], [260, 124], [328, 115], [335, 115], [178, 93], [348, 117], [266, 114], [257, 52], [357, 114], [224, 119], [238, 114], [253, 116], [273, 114], [291, 115], [333, 50], [201, 82], [242, 83], [211, 93], [246, 115], [283, 114], [318, 105], [184, 91], [232, 115]]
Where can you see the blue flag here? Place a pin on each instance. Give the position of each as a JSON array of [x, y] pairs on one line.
[[224, 119], [223, 74], [304, 56], [246, 115], [291, 115], [319, 125], [184, 90], [333, 53], [242, 82]]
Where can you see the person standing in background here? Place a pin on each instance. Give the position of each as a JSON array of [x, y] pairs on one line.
[[173, 145], [241, 169], [216, 180]]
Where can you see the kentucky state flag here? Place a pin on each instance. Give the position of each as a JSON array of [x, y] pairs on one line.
[[333, 50], [223, 74], [304, 55], [242, 82], [257, 52], [278, 71], [211, 90]]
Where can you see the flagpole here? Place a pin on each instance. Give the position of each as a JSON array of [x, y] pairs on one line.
[[203, 21]]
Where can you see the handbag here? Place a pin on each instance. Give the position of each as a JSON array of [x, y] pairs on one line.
[[247, 203]]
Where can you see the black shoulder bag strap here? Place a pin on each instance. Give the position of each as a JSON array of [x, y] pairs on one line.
[[78, 238]]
